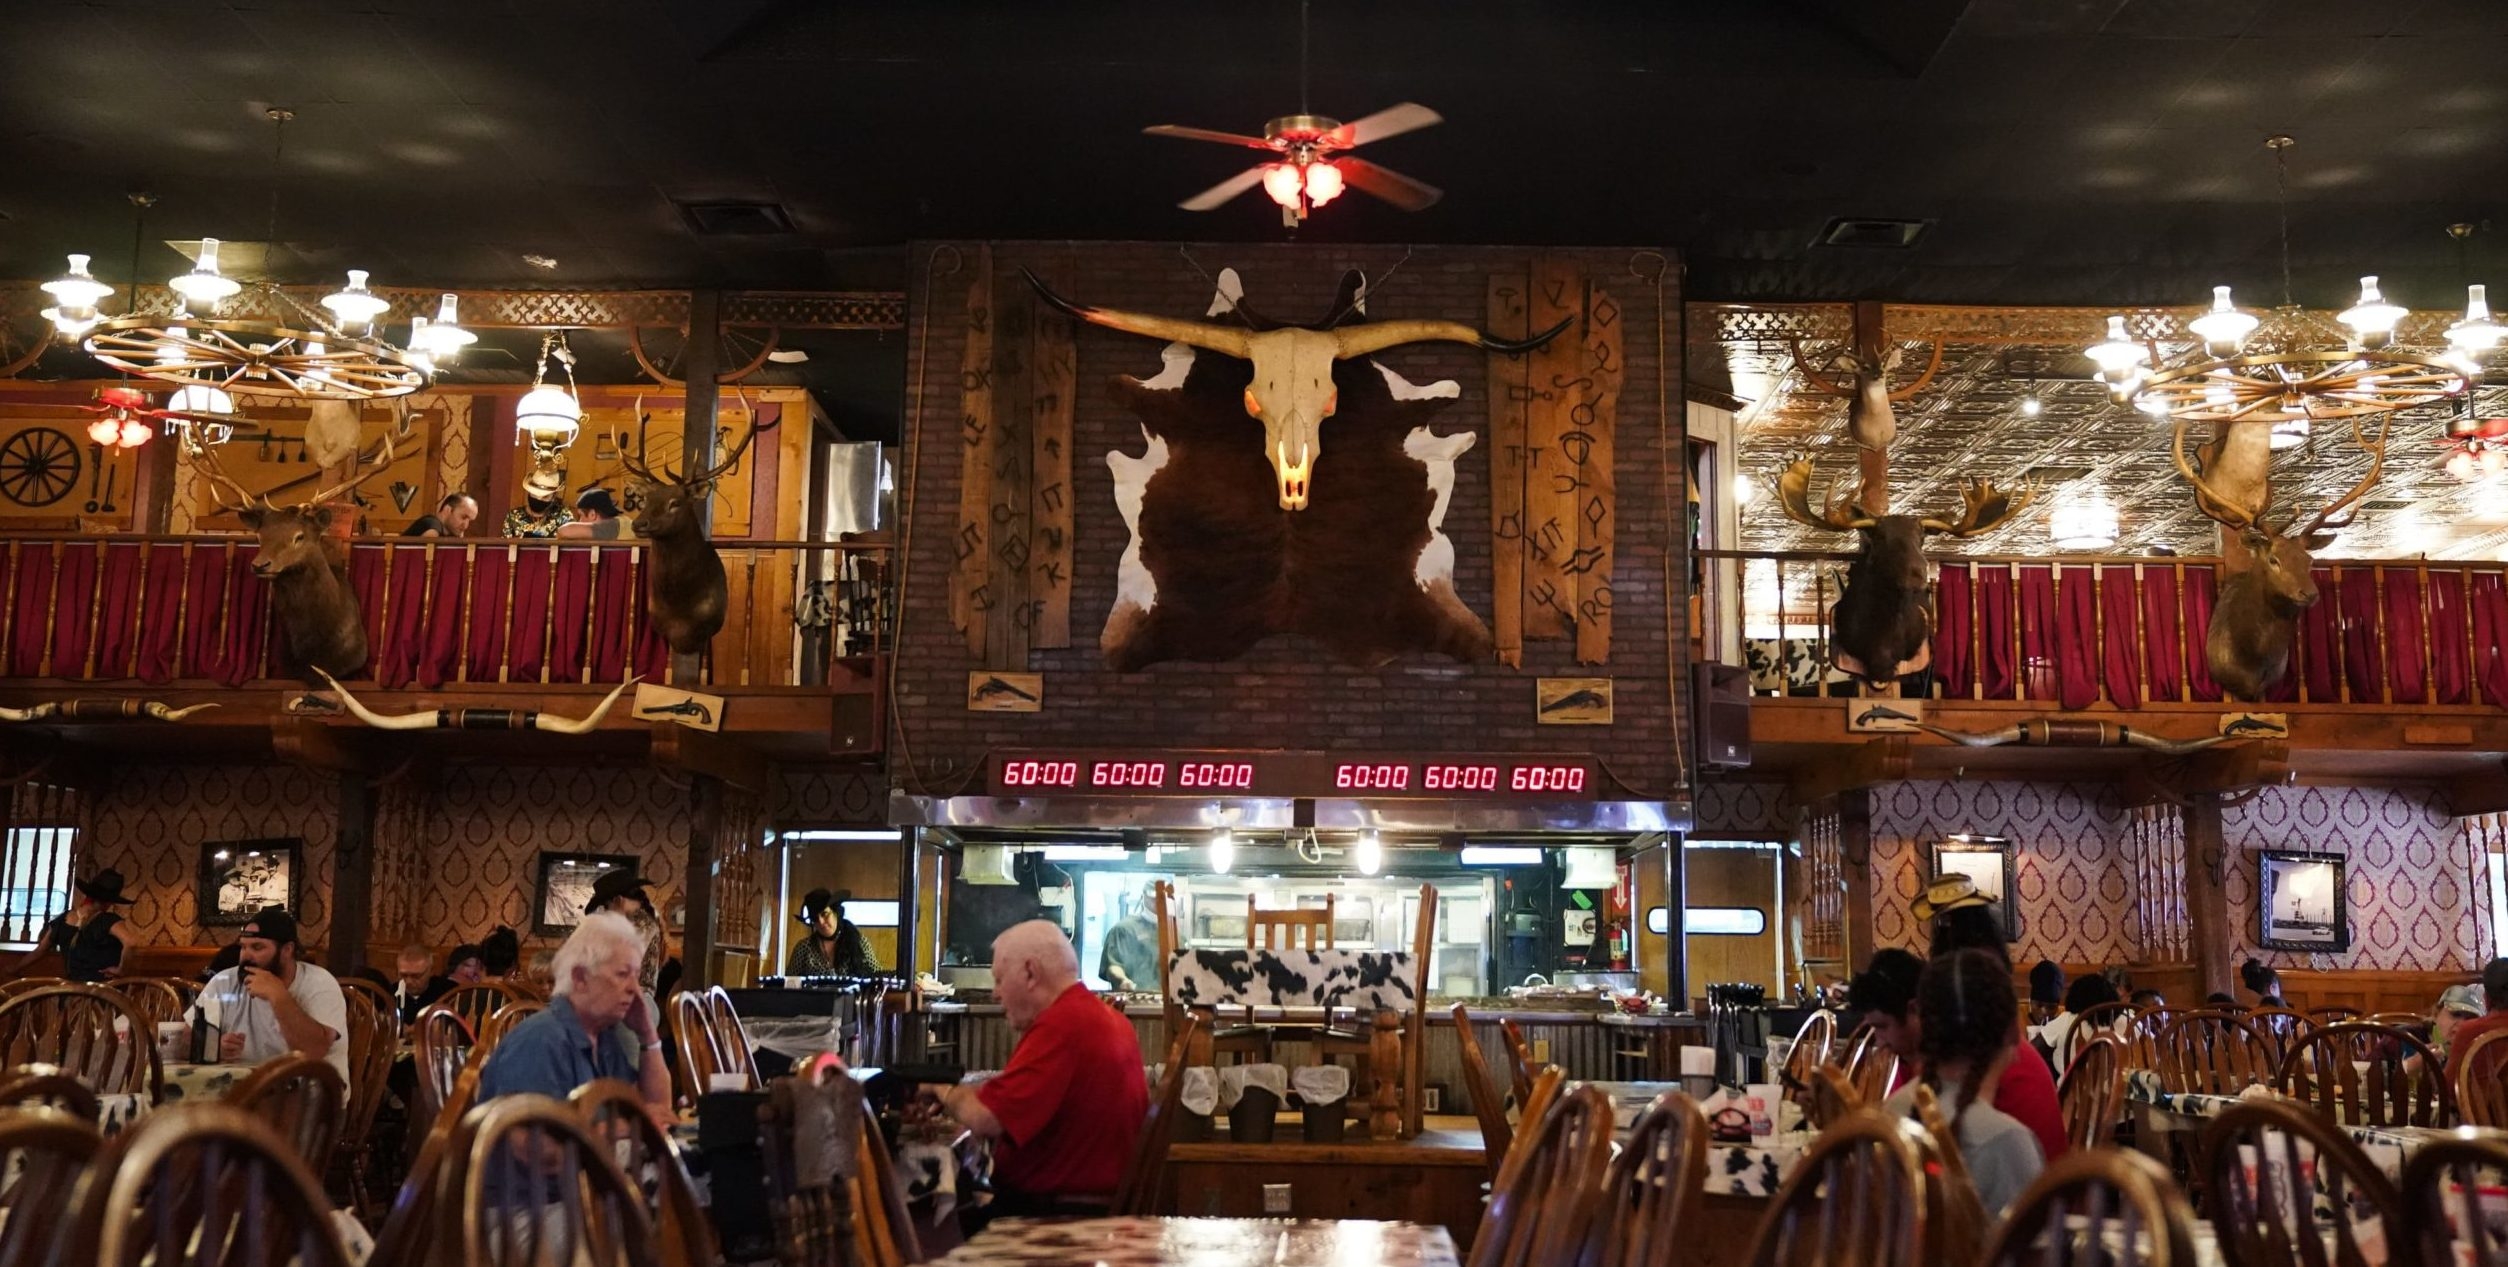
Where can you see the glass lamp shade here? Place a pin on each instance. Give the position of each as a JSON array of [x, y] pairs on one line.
[[2464, 466], [135, 433], [204, 284], [105, 430], [202, 399], [2118, 357], [443, 338], [354, 306], [2477, 333], [1323, 183], [2290, 432], [548, 416], [2372, 320], [2224, 328], [1282, 183], [77, 293]]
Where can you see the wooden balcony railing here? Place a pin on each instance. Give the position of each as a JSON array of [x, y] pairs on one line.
[[437, 612], [2080, 630]]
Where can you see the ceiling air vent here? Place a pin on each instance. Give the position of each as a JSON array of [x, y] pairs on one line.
[[735, 219], [2054, 474], [2384, 504], [1866, 231]]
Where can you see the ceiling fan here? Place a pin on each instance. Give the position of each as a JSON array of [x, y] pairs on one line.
[[1312, 169]]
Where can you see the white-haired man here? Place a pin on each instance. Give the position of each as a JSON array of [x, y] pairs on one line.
[[1065, 1114], [596, 1015]]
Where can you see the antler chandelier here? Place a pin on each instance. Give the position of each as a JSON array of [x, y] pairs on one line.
[[284, 345], [2290, 368]]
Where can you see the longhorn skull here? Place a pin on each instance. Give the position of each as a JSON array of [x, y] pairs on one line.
[[1292, 391], [477, 718]]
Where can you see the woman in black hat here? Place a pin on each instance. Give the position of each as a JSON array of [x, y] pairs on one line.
[[835, 946], [622, 891], [91, 946]]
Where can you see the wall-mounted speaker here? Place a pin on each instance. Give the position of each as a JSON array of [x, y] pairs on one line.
[[1720, 705]]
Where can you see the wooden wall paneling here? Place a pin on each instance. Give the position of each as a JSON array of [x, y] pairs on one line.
[[1736, 878], [1508, 396], [973, 548], [1014, 412], [1050, 545], [1549, 493], [1586, 449]]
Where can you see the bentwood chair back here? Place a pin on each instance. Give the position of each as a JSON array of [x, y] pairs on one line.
[[47, 1087], [526, 1184], [649, 1158], [2097, 1208], [1654, 1188], [2211, 1053], [16, 986], [729, 1038], [407, 1237], [1285, 930], [2142, 1033], [2452, 1195], [157, 998], [838, 1206], [2360, 1074], [372, 993], [303, 1098], [476, 1002], [44, 1154], [2279, 1027], [374, 1039], [1488, 1102], [2114, 1020], [1519, 1059], [697, 1061], [2092, 1096], [1144, 1176], [503, 1020], [2481, 1072], [440, 1042], [1543, 1210], [94, 1034], [1831, 1097], [2335, 1015], [1956, 1221], [1856, 1197], [1810, 1051], [194, 1175], [2269, 1163]]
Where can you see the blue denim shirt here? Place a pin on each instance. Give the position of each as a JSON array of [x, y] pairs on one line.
[[549, 1054]]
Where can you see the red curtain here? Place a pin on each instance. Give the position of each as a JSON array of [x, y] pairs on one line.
[[2407, 645], [2197, 619], [73, 608], [527, 627], [2490, 635], [2357, 591], [117, 602], [2449, 652], [483, 653], [614, 595], [572, 606], [1953, 631], [30, 602], [448, 605], [2077, 638], [2120, 606], [161, 615], [2037, 631], [1994, 632], [2163, 647]]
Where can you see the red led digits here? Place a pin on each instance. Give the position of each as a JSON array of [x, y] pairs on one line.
[[1135, 774], [1460, 778], [1549, 778], [1040, 773], [1378, 778], [1216, 774]]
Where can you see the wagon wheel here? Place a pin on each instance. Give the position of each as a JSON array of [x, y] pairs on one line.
[[23, 338], [662, 351], [38, 466]]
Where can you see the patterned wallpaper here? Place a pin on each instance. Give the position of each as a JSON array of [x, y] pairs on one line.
[[2414, 894], [150, 821], [2070, 869]]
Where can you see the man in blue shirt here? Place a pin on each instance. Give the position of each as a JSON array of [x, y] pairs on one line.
[[590, 1025]]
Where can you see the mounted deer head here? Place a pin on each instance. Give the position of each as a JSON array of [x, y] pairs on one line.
[[1870, 422], [686, 593], [303, 562], [2255, 610], [1880, 629]]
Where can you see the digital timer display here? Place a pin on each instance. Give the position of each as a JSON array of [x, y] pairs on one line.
[[1349, 776]]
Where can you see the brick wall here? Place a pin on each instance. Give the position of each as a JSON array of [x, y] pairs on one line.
[[1287, 693]]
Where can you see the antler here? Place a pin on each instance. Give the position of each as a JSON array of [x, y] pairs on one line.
[[219, 481], [2215, 507], [2324, 519], [635, 465], [1793, 489], [383, 459], [749, 433], [1986, 509]]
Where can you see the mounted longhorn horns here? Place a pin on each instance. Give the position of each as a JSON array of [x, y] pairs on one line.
[[101, 710], [2045, 733], [477, 718]]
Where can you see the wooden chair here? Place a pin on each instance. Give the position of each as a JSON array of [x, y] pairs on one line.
[[503, 1020], [16, 986], [2360, 1074], [733, 1053], [1810, 1051], [829, 1217], [372, 993], [1144, 1177], [1956, 1220], [2335, 1015], [1544, 1208], [2279, 1027], [1279, 930], [1519, 1059], [2111, 1019], [199, 1174], [1871, 1067], [2261, 1197], [374, 1039], [304, 1098], [1830, 1097], [1488, 1102], [649, 1158], [2142, 1033], [157, 998], [94, 1034], [407, 1236], [47, 1087], [1654, 1188], [44, 1155], [2451, 1201], [526, 1184], [440, 1042], [1855, 1197], [2092, 1095], [2481, 1077], [476, 1002], [2099, 1208], [2211, 1053]]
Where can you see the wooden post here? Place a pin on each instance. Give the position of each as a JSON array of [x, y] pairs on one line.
[[2207, 893], [352, 876], [705, 825], [909, 925], [1675, 923], [696, 432], [1854, 847]]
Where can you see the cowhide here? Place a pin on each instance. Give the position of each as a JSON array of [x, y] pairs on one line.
[[1368, 980]]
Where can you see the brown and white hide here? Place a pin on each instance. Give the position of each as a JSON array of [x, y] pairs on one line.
[[1215, 564]]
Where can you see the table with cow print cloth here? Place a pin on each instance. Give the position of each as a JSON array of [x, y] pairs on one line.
[[2159, 1114], [1183, 1242], [1363, 980], [176, 1084]]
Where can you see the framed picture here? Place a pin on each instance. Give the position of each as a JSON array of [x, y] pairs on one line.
[[2302, 901], [566, 881], [239, 877], [1987, 862]]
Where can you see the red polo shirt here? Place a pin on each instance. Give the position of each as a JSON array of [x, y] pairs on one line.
[[1072, 1101]]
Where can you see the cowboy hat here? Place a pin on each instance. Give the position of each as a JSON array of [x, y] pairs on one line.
[[106, 886], [1947, 893], [545, 483], [817, 900], [614, 885]]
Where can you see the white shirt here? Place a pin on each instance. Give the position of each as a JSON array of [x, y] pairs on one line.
[[225, 1004]]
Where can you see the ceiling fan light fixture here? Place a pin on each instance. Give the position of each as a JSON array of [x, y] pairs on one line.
[[1323, 182], [1282, 182]]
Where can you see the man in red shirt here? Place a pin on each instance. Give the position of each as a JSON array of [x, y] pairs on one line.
[[2494, 997], [1065, 1116]]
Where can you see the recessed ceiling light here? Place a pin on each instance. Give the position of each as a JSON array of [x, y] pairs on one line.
[[788, 356], [544, 262]]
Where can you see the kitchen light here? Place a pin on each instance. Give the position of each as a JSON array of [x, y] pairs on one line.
[[1370, 853], [1223, 851], [1500, 856]]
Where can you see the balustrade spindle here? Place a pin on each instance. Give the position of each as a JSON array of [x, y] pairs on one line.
[[591, 608], [2020, 655], [505, 645], [182, 615], [1820, 612]]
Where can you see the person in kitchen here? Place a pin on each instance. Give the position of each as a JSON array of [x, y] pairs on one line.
[[1129, 960], [835, 946]]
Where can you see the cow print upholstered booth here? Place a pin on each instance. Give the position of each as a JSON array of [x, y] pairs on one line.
[[1365, 980]]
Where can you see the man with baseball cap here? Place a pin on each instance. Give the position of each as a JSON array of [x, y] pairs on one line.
[[272, 1002]]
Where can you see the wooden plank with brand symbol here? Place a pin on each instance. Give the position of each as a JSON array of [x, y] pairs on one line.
[[972, 547], [1587, 449], [1014, 426], [1557, 383], [1508, 395], [1049, 549]]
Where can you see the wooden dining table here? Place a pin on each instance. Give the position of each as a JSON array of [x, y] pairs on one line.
[[1186, 1242]]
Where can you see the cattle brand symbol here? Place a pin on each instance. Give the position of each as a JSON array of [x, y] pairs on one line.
[[1884, 716]]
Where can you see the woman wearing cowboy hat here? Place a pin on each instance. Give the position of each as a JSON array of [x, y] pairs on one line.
[[621, 892], [835, 946], [91, 946]]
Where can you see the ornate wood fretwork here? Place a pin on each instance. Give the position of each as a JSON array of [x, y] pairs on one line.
[[542, 309]]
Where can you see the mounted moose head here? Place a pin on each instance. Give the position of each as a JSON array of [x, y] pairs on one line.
[[1880, 629], [2255, 611], [1292, 392], [306, 566], [686, 593]]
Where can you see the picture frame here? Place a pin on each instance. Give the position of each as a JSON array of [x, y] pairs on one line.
[[2303, 901], [566, 881], [240, 877], [1989, 863]]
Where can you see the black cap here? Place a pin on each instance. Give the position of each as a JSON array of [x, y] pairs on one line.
[[597, 500], [613, 885], [272, 923]]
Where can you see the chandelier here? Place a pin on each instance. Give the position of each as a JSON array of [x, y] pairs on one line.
[[283, 344], [2477, 448], [2289, 368]]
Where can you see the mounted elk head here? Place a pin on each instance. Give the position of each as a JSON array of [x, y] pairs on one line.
[[477, 718], [686, 593], [1292, 391], [2255, 610], [1870, 421], [1880, 629], [305, 564]]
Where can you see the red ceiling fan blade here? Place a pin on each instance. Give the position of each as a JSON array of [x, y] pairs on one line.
[[1386, 183], [1205, 134], [1226, 189], [1410, 116]]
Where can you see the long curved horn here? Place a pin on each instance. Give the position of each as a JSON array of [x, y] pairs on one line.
[[1376, 336], [2170, 747], [1974, 738], [1200, 334], [37, 713], [158, 710], [571, 726], [124, 708], [423, 719]]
